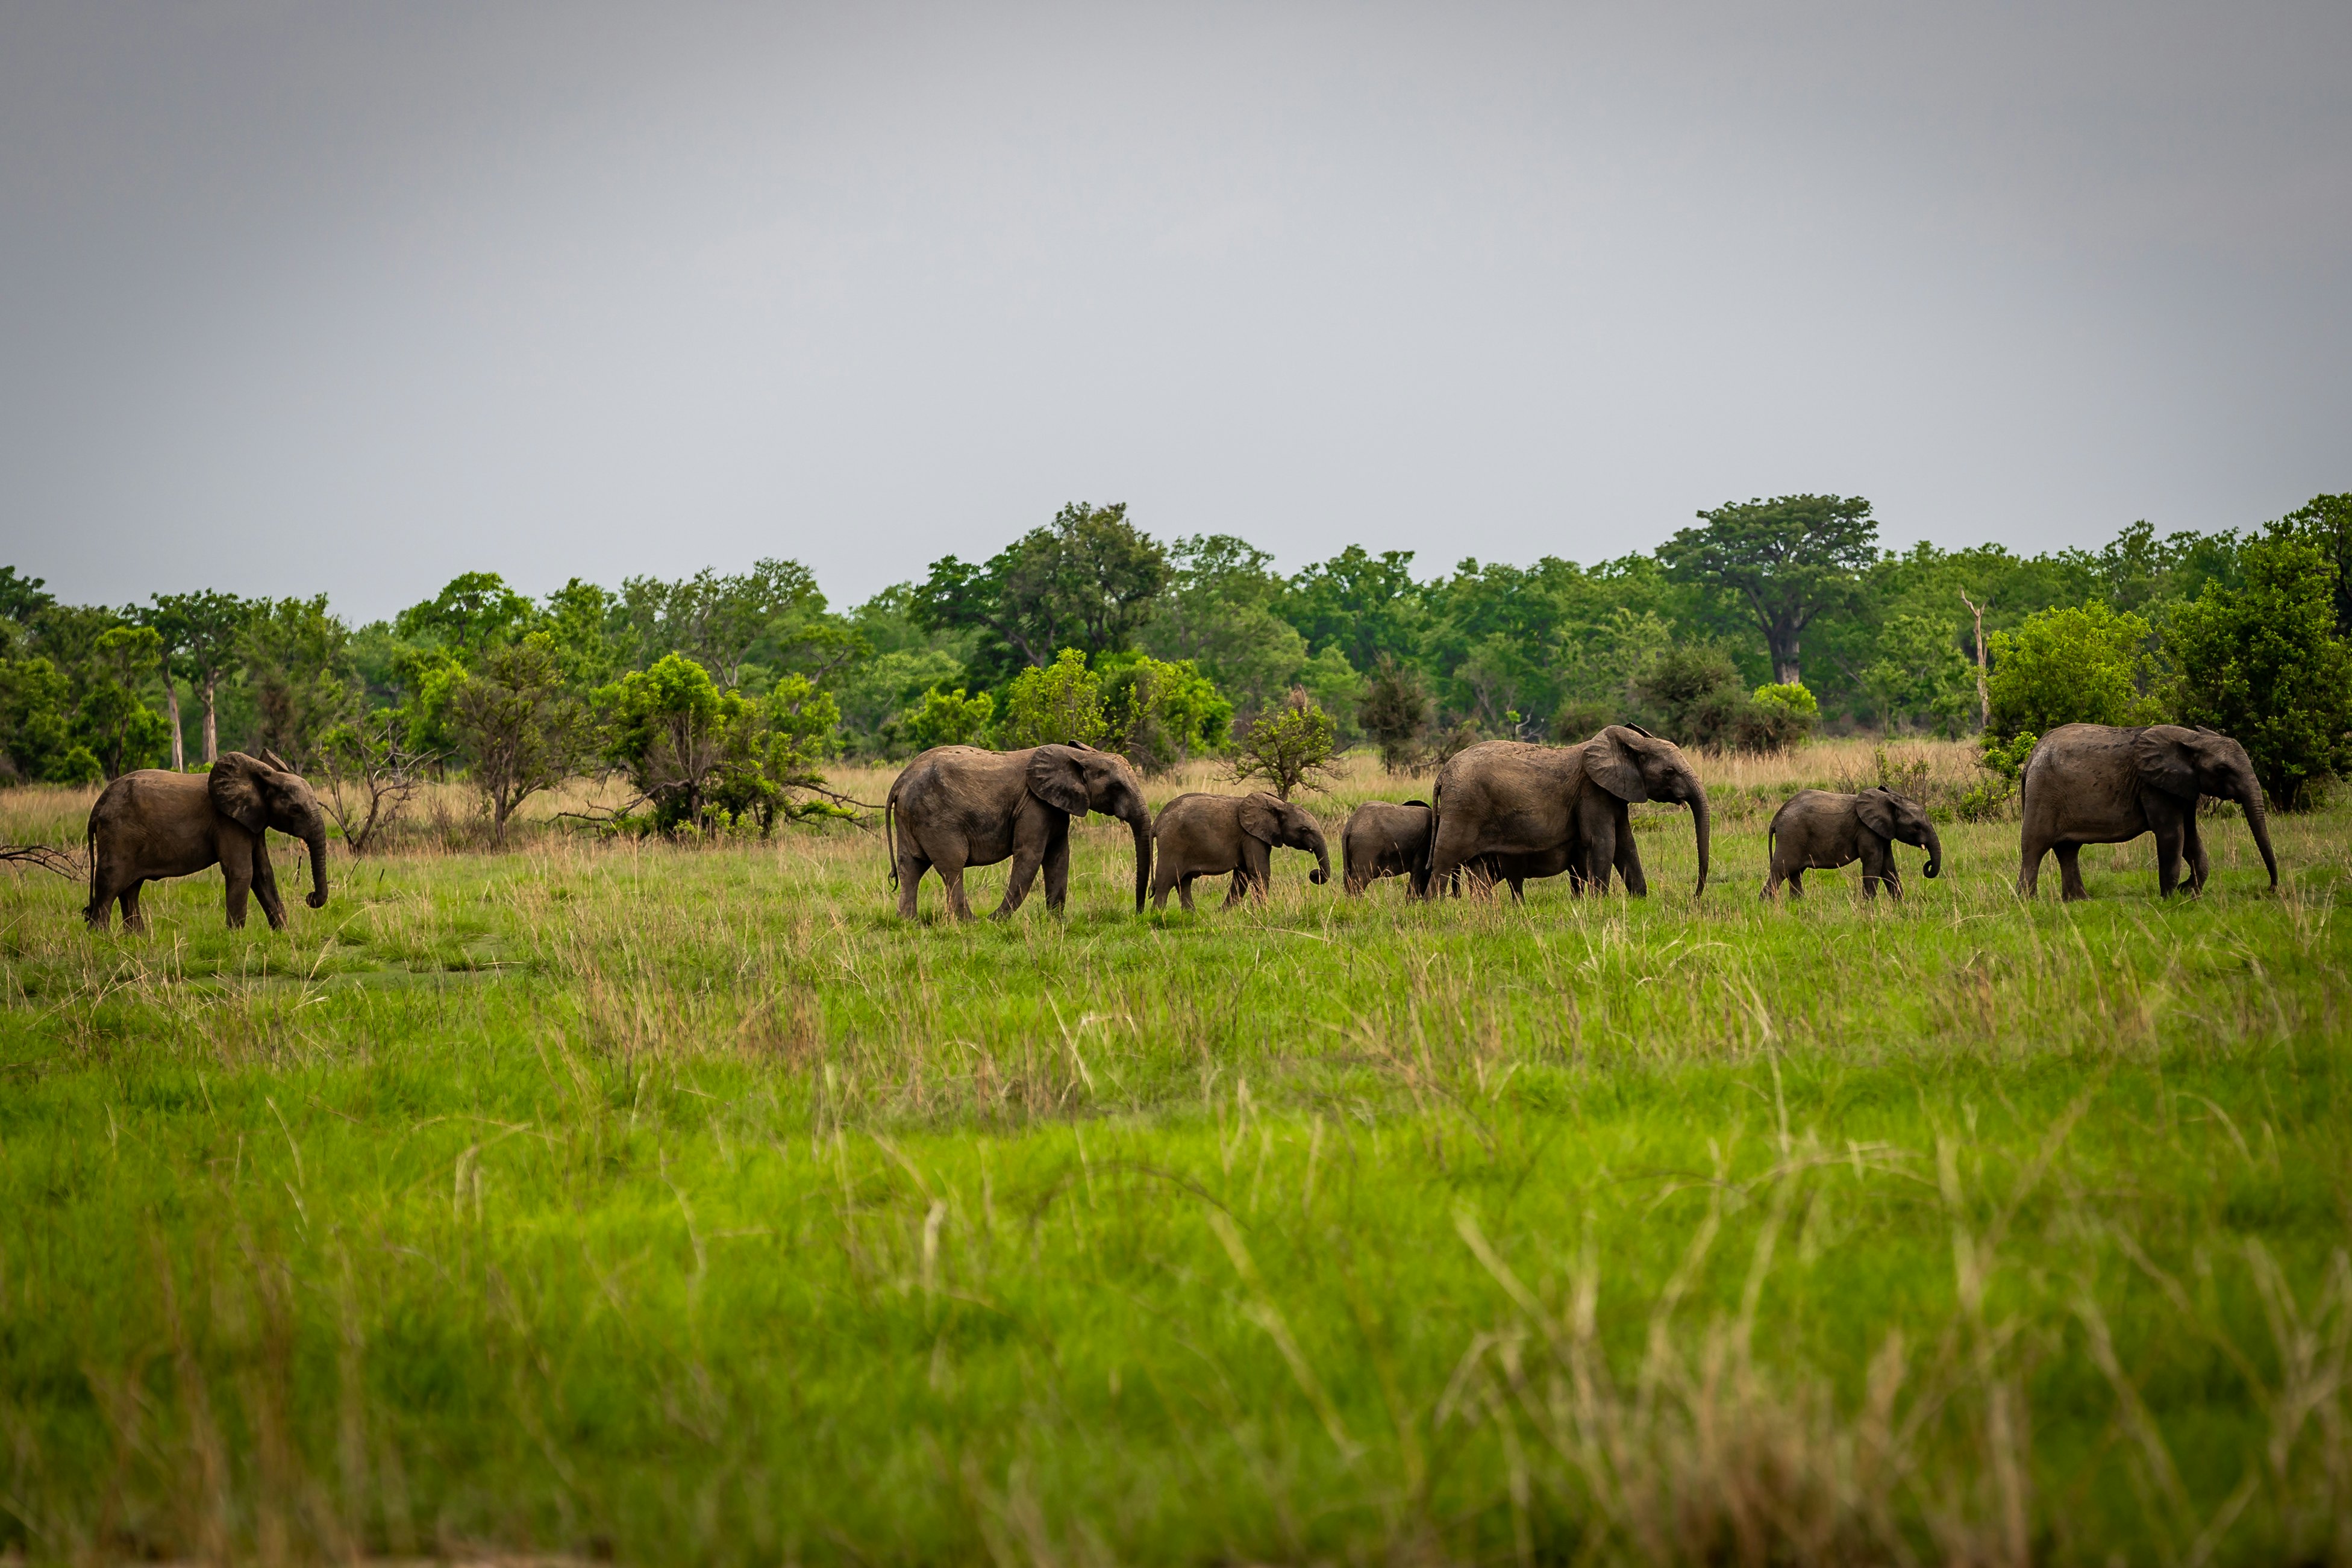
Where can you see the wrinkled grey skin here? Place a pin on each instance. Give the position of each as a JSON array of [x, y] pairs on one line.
[[1211, 835], [959, 806], [1388, 838], [156, 823], [2105, 784], [1505, 808], [1818, 830]]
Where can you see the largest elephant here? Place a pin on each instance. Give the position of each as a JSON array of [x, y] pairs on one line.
[[156, 823], [2104, 784], [1537, 811], [959, 806]]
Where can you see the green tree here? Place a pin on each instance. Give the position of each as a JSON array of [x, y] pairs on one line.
[[115, 722], [1919, 671], [2264, 664], [475, 610], [1089, 581], [743, 627], [2085, 665], [367, 771], [1158, 713], [297, 657], [1291, 748], [1056, 706], [1219, 613], [200, 632], [1362, 604], [36, 710], [21, 598], [2326, 521], [520, 729], [1395, 712], [947, 718], [772, 748], [1788, 559]]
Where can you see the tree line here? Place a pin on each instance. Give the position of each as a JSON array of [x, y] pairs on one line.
[[722, 695]]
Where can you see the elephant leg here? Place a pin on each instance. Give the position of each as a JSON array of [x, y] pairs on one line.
[[1058, 868], [1184, 891], [1518, 890], [1875, 869], [265, 886], [951, 883], [911, 867], [2167, 858], [1032, 841], [131, 919], [1627, 857], [1773, 877], [236, 871], [2069, 872], [1797, 881], [2192, 846], [2029, 867]]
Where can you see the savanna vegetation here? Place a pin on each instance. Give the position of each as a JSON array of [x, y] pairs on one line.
[[607, 1172]]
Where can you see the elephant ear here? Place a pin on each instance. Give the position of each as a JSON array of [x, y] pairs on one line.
[[1608, 762], [1261, 815], [1876, 809], [1422, 804], [276, 761], [2164, 761], [236, 793], [1057, 777]]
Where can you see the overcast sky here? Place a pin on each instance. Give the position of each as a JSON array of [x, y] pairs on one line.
[[354, 297]]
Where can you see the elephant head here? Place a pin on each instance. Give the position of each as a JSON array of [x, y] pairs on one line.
[[1078, 780], [2185, 763], [1894, 816], [261, 792], [1634, 765], [1272, 821]]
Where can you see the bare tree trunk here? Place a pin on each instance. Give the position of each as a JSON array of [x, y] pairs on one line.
[[212, 720], [172, 711], [1984, 690]]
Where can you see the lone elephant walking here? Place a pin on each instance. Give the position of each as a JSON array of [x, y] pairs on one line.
[[2105, 784], [1211, 835], [959, 806], [156, 823], [1818, 830]]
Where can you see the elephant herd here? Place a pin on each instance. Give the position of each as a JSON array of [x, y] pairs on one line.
[[1505, 812]]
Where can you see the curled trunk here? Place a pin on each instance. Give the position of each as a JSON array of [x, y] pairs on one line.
[[2257, 819], [316, 841], [1935, 848], [1322, 872], [1140, 825]]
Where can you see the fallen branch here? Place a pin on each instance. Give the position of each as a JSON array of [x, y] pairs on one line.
[[42, 855]]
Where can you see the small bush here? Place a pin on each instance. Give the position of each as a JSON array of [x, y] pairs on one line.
[[1579, 718], [1395, 712], [1054, 705], [2082, 666], [947, 718], [1290, 749]]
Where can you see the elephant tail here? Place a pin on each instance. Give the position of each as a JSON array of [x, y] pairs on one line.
[[89, 853], [891, 833]]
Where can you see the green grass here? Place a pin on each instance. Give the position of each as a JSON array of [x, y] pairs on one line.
[[684, 1206]]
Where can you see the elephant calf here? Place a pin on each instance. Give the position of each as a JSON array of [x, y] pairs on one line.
[[1817, 831], [1388, 838], [156, 823], [1210, 835]]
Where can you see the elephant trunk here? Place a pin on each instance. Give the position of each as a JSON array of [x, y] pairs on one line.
[[1139, 823], [2258, 818], [316, 838], [1698, 822], [1322, 872], [1935, 848]]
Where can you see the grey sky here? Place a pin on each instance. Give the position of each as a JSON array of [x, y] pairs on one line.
[[352, 298]]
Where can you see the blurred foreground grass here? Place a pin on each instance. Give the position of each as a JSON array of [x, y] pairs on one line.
[[681, 1205]]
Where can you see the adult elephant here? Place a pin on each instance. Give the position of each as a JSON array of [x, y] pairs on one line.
[[2105, 784], [959, 806], [1211, 835], [1536, 810], [156, 823]]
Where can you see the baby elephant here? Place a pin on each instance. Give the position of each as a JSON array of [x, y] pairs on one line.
[[1209, 835], [1817, 831], [1388, 838]]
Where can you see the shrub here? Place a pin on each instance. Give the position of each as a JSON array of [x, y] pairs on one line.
[[522, 731], [947, 718], [1779, 718], [1056, 705], [2082, 665], [1578, 718], [2262, 664], [1158, 713], [1394, 711], [1290, 749]]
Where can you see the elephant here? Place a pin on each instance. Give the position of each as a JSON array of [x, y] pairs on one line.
[[1387, 838], [156, 823], [1512, 810], [2105, 784], [959, 806], [1815, 830], [1210, 835]]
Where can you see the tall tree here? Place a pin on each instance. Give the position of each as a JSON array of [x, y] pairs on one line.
[[1086, 581], [1788, 559], [200, 632], [2326, 521], [298, 658]]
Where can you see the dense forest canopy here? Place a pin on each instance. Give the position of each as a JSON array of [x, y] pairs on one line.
[[1180, 644]]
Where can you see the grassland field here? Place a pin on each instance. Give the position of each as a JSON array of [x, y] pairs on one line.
[[680, 1203]]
